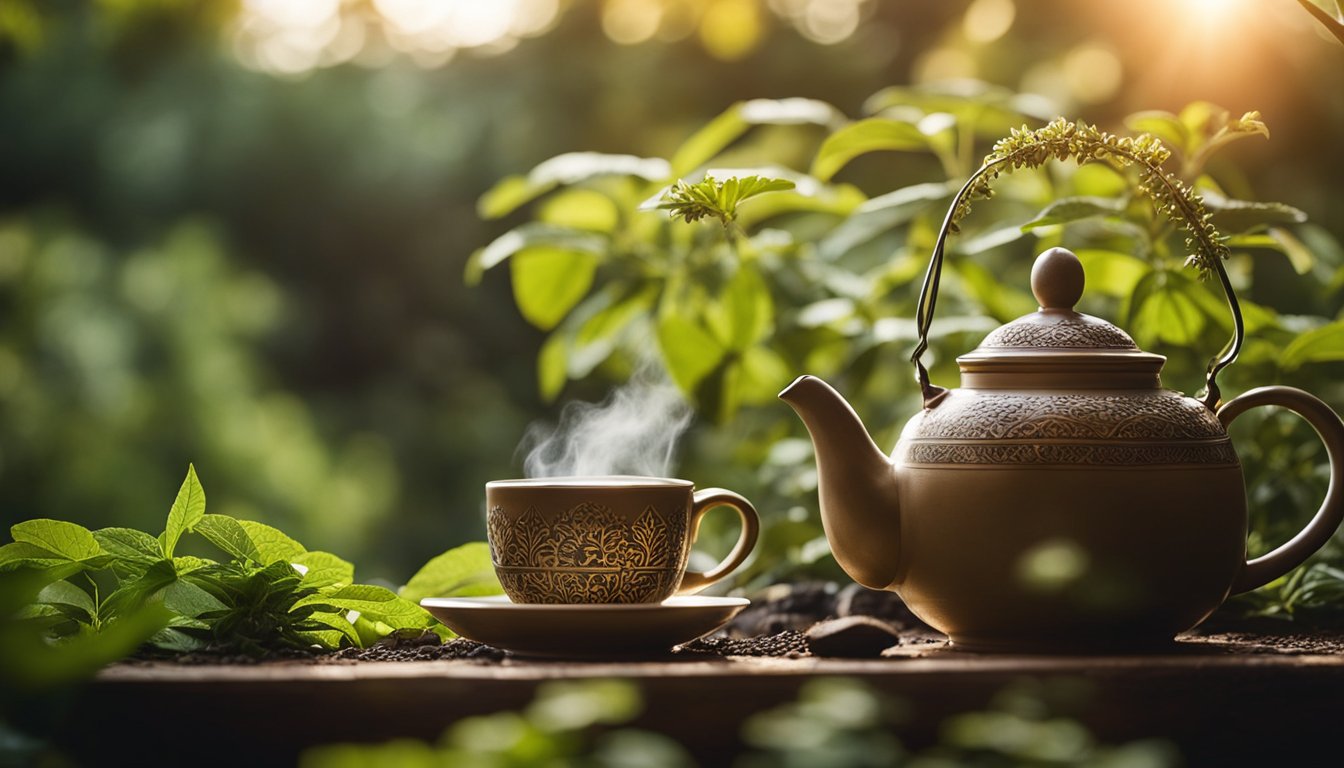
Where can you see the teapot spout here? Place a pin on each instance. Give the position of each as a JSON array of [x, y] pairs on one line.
[[857, 484]]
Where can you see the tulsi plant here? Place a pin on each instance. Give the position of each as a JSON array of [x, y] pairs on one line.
[[263, 592]]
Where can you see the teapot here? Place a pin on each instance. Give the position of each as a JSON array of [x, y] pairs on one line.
[[1061, 499]]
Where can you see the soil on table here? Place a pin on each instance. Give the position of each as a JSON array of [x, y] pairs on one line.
[[802, 620]]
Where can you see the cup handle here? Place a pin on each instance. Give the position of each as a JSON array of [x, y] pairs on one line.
[[705, 500], [1326, 422]]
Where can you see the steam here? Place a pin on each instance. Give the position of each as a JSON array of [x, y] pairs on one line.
[[633, 432]]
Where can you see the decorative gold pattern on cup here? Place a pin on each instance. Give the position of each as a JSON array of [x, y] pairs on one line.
[[587, 554]]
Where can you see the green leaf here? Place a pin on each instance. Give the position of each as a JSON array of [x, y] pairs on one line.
[[1319, 345], [372, 603], [323, 569], [21, 554], [1069, 209], [604, 326], [871, 135], [65, 593], [464, 571], [230, 536], [582, 209], [527, 236], [1169, 315], [689, 351], [989, 111], [1238, 216], [1281, 240], [1299, 255], [129, 544], [1001, 301], [47, 665], [273, 546], [175, 640], [711, 198], [187, 510], [549, 281], [881, 214], [552, 362], [571, 168], [59, 619], [1163, 125], [506, 196], [66, 540], [184, 564], [838, 200], [187, 599], [341, 629], [744, 312], [760, 375], [1199, 117], [1098, 180], [715, 136], [1111, 272], [132, 595]]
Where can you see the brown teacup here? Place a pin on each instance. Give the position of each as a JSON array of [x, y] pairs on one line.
[[619, 539]]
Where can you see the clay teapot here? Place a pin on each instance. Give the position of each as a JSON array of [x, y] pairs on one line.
[[1062, 499]]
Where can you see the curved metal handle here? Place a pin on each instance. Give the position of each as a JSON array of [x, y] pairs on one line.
[[705, 500], [928, 300], [1327, 424]]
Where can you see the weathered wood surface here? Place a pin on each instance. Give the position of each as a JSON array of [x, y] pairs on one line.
[[1219, 706]]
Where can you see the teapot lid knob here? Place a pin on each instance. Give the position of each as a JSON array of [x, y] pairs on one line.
[[1057, 279]]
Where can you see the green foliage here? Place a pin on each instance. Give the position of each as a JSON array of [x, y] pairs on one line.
[[33, 608], [824, 278], [271, 592], [870, 135], [187, 510], [710, 198], [566, 724], [1061, 140], [465, 571], [834, 722]]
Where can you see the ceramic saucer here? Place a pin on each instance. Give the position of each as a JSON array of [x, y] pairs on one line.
[[586, 629]]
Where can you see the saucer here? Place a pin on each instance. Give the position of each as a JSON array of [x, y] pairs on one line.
[[601, 629]]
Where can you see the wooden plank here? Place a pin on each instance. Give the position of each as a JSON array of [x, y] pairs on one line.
[[1206, 702]]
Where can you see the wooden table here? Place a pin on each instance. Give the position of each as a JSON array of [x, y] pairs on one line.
[[1219, 703]]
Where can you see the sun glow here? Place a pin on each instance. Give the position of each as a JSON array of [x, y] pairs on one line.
[[295, 36], [1214, 16]]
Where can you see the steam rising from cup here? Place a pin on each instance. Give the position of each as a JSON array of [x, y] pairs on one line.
[[633, 432]]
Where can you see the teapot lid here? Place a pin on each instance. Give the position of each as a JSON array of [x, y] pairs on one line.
[[1056, 347]]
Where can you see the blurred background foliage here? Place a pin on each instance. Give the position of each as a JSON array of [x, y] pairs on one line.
[[833, 722], [235, 233]]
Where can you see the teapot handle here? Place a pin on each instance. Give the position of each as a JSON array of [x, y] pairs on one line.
[[928, 299], [1327, 424]]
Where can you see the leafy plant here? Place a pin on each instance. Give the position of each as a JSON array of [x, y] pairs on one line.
[[717, 199], [268, 594], [1063, 140]]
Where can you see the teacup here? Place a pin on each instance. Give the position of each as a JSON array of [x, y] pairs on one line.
[[619, 539]]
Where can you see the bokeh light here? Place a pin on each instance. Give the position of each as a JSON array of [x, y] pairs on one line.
[[295, 36], [1093, 72], [988, 20]]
